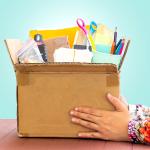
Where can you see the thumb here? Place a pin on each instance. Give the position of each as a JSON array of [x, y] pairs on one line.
[[117, 103]]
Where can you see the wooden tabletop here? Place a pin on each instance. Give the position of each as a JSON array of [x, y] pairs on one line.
[[10, 141]]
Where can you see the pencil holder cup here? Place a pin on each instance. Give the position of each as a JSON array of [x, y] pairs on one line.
[[103, 48], [100, 57]]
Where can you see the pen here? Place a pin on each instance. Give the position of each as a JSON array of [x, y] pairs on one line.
[[123, 42], [117, 46], [113, 47], [42, 47]]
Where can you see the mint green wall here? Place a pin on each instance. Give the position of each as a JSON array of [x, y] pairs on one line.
[[17, 17]]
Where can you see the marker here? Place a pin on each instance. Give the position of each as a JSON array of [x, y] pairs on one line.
[[113, 47], [42, 47], [123, 42], [117, 46]]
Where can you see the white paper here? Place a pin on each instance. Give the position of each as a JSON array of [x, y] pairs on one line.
[[72, 55]]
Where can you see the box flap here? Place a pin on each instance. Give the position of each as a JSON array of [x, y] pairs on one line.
[[13, 45], [67, 67]]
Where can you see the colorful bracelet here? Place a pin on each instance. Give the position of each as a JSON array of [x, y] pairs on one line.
[[132, 131], [143, 130], [139, 126]]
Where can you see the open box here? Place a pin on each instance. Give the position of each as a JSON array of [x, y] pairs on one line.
[[47, 92]]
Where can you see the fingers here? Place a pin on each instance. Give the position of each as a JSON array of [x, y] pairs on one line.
[[90, 110], [96, 135], [117, 103], [85, 116], [87, 124]]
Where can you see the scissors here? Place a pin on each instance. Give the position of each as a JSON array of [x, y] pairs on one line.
[[81, 25], [93, 27]]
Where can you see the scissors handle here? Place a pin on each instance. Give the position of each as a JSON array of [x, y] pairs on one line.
[[81, 24], [93, 27]]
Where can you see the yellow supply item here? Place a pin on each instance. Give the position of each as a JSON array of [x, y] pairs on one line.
[[46, 34]]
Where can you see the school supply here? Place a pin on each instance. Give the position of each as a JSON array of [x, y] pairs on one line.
[[124, 54], [119, 49], [113, 48], [93, 27], [82, 47], [83, 56], [47, 34], [124, 47], [29, 53], [72, 55], [82, 26], [55, 43], [118, 44], [106, 50], [64, 55], [42, 48], [115, 35], [103, 39], [80, 41], [100, 57]]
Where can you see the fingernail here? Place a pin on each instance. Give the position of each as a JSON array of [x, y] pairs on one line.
[[76, 109], [109, 95], [71, 113], [73, 119], [79, 134]]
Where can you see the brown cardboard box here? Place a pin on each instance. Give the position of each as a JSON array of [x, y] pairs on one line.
[[47, 92]]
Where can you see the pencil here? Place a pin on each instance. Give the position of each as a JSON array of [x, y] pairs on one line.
[[124, 54], [115, 35], [113, 47]]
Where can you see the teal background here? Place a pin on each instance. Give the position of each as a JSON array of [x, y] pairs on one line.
[[17, 17]]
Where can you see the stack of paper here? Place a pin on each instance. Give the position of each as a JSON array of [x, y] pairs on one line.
[[72, 55]]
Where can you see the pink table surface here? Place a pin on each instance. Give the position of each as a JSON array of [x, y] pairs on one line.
[[10, 141]]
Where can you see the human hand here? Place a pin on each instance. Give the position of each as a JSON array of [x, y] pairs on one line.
[[108, 125]]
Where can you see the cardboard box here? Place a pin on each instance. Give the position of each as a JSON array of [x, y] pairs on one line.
[[47, 92]]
